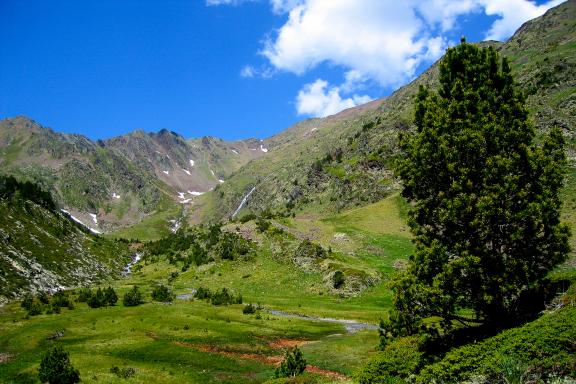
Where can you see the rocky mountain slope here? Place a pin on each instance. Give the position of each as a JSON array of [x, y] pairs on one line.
[[345, 160], [43, 248]]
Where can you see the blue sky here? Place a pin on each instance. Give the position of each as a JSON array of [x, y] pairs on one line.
[[226, 68]]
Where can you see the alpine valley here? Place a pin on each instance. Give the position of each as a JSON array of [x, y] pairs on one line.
[[244, 249]]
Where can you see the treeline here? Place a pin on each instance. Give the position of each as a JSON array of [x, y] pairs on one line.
[[12, 188], [199, 245]]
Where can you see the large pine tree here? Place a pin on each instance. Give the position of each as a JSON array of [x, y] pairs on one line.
[[484, 197]]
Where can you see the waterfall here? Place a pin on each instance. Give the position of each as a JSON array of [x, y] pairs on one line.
[[243, 202]]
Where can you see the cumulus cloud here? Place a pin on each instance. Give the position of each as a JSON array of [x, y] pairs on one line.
[[319, 99], [380, 39], [512, 14]]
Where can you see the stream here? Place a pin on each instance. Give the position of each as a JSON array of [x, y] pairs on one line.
[[350, 325], [135, 258]]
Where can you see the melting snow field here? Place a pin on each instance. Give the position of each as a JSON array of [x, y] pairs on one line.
[[80, 222]]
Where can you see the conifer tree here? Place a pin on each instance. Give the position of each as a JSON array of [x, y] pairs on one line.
[[55, 368], [484, 198]]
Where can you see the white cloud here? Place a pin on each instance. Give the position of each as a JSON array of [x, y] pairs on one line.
[[512, 13], [378, 39], [319, 99]]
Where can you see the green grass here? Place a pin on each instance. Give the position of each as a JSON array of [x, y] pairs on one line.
[[153, 226]]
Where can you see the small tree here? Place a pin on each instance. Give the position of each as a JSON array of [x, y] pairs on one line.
[[110, 296], [162, 293], [56, 368], [292, 365], [485, 199], [97, 300], [27, 302], [133, 297]]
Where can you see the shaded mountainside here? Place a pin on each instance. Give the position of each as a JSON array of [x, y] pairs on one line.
[[42, 248], [346, 160]]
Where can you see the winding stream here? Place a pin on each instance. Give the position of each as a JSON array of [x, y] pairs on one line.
[[350, 325]]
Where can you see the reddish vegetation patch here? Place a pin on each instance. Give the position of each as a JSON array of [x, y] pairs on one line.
[[4, 357], [331, 374], [269, 360], [287, 343]]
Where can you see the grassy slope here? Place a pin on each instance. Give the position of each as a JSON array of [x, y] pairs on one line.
[[146, 337]]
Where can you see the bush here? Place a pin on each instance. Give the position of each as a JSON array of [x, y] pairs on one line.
[[44, 297], [60, 299], [97, 300], [545, 346], [292, 365], [311, 250], [55, 368], [397, 361], [27, 302], [202, 293], [123, 373], [133, 297], [222, 297], [83, 295], [249, 309], [35, 309], [162, 293], [262, 225]]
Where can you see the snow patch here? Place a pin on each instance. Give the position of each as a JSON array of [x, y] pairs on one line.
[[235, 151], [220, 180], [181, 195], [80, 222], [187, 171], [191, 162], [115, 195], [313, 129], [253, 149], [212, 173], [166, 172], [94, 218], [194, 193], [263, 149], [186, 201]]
